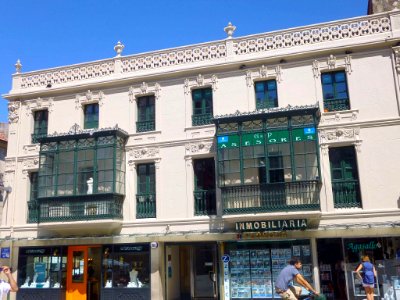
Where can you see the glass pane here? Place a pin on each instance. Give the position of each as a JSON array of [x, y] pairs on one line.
[[78, 266]]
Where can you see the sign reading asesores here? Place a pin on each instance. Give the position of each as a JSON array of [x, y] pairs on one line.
[[271, 137]]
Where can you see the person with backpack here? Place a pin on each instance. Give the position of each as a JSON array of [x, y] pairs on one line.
[[368, 276]]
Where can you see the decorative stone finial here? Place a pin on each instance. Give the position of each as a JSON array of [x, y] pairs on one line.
[[230, 29], [119, 47], [18, 66]]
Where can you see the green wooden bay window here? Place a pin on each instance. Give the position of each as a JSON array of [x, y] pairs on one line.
[[82, 175], [268, 161]]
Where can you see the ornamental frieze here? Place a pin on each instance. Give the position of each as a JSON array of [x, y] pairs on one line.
[[143, 153], [31, 149], [10, 165], [339, 116], [199, 148], [332, 137]]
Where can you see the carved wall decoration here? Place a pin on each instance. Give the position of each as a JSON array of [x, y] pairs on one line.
[[137, 155], [88, 98], [332, 137], [263, 72], [31, 149], [199, 148], [13, 108], [10, 165], [143, 90], [200, 81], [331, 63], [396, 51], [29, 165], [339, 116], [38, 104]]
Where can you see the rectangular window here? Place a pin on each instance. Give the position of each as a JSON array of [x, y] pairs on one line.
[[146, 114], [335, 92], [266, 94], [202, 106], [40, 118], [91, 116], [344, 173], [204, 186], [146, 191], [32, 203]]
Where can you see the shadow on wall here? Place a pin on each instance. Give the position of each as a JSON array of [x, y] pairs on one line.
[[398, 202]]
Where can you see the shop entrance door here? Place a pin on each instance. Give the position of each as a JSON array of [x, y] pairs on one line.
[[192, 272], [204, 271], [83, 273]]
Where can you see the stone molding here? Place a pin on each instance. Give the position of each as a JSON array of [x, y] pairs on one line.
[[38, 104], [143, 90], [339, 136], [274, 72], [139, 155], [199, 148], [31, 149], [200, 81], [332, 63], [336, 117], [88, 98]]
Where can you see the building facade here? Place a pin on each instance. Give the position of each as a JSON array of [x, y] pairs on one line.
[[197, 172]]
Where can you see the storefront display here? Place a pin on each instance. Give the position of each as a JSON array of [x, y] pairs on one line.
[[126, 265], [253, 267], [42, 267]]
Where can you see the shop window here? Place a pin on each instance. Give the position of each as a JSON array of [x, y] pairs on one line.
[[146, 191], [91, 116], [40, 124], [335, 93], [266, 94], [146, 114], [344, 174], [202, 102], [126, 266], [254, 267], [204, 187], [42, 267]]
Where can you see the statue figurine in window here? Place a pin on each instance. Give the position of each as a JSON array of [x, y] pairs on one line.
[[89, 186]]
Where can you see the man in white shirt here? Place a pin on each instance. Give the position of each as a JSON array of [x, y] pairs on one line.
[[11, 285]]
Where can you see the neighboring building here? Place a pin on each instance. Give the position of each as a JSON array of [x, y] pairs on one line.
[[3, 153], [196, 172]]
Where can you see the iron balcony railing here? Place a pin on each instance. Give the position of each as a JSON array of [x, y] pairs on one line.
[[143, 126], [201, 119], [77, 208], [145, 205], [204, 202], [346, 193], [286, 196], [36, 136], [336, 104]]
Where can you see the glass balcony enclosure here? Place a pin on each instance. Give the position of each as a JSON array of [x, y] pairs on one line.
[[268, 161], [81, 175]]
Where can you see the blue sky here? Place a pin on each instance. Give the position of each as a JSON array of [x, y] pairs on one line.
[[50, 33]]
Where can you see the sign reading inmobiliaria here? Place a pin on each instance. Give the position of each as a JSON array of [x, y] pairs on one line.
[[272, 225]]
